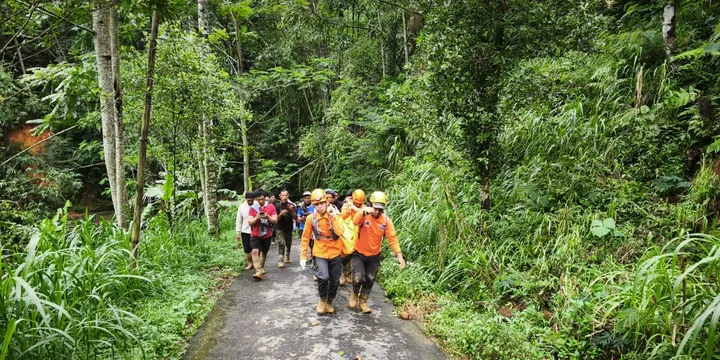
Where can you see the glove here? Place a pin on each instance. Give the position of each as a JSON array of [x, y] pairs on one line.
[[302, 264]]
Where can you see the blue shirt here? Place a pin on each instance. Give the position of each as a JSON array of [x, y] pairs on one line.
[[301, 212]]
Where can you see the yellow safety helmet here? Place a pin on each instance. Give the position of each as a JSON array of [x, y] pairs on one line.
[[317, 196], [378, 199], [358, 196]]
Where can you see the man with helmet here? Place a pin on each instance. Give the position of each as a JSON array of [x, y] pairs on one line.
[[365, 261], [353, 203], [324, 227]]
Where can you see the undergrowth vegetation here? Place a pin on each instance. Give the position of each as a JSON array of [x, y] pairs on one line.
[[73, 292]]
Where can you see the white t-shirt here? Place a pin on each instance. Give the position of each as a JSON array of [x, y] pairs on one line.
[[241, 222]]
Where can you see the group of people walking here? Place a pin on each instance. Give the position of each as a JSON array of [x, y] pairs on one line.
[[321, 218]]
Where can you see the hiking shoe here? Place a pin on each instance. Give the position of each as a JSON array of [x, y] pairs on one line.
[[329, 307], [257, 276], [321, 307], [353, 301], [281, 264], [287, 259], [363, 304]]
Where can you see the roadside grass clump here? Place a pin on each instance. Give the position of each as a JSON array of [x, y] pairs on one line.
[[484, 334], [72, 293], [672, 305]]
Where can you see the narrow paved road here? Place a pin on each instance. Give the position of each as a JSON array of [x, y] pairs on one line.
[[275, 319]]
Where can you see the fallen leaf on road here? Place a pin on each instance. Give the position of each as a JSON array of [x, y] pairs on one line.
[[292, 354], [314, 323]]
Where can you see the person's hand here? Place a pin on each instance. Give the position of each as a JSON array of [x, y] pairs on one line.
[[283, 212], [367, 210], [331, 211], [237, 237], [302, 264], [401, 260], [263, 216]]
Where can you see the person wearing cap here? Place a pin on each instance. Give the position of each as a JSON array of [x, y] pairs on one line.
[[374, 226], [304, 210], [330, 195], [242, 227], [324, 227], [261, 222]]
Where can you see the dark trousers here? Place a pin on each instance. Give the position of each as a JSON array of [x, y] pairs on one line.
[[246, 242], [346, 265], [364, 269], [328, 273], [284, 243]]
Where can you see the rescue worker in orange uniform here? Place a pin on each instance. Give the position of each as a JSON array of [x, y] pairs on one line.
[[355, 203], [365, 261], [324, 227]]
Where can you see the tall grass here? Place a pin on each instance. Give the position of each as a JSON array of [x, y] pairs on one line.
[[673, 303], [73, 293]]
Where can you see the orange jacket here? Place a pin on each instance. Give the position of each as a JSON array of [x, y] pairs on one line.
[[371, 234], [326, 249]]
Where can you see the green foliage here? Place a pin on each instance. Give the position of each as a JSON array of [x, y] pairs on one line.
[[72, 293]]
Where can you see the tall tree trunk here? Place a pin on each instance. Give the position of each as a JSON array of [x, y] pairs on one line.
[[405, 48], [144, 129], [243, 121], [104, 25], [203, 17], [668, 29], [382, 42], [119, 120], [207, 167]]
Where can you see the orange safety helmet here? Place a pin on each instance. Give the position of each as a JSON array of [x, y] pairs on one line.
[[358, 196], [317, 196]]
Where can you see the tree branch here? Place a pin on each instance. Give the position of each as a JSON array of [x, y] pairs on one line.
[[57, 16]]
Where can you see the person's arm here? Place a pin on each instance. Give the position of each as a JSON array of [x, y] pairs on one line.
[[272, 215], [392, 240], [305, 239], [345, 213], [338, 225], [239, 221], [358, 218], [253, 216]]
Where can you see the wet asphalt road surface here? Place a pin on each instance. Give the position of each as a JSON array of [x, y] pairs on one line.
[[275, 319]]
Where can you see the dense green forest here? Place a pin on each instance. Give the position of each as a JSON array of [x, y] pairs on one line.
[[552, 165]]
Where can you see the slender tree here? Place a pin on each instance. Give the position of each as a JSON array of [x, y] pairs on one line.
[[108, 61], [207, 161], [144, 129]]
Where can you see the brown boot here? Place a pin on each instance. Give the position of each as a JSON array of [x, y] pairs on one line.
[[281, 264], [353, 301], [329, 307], [321, 307], [258, 270], [248, 257], [363, 304], [287, 258], [262, 263]]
